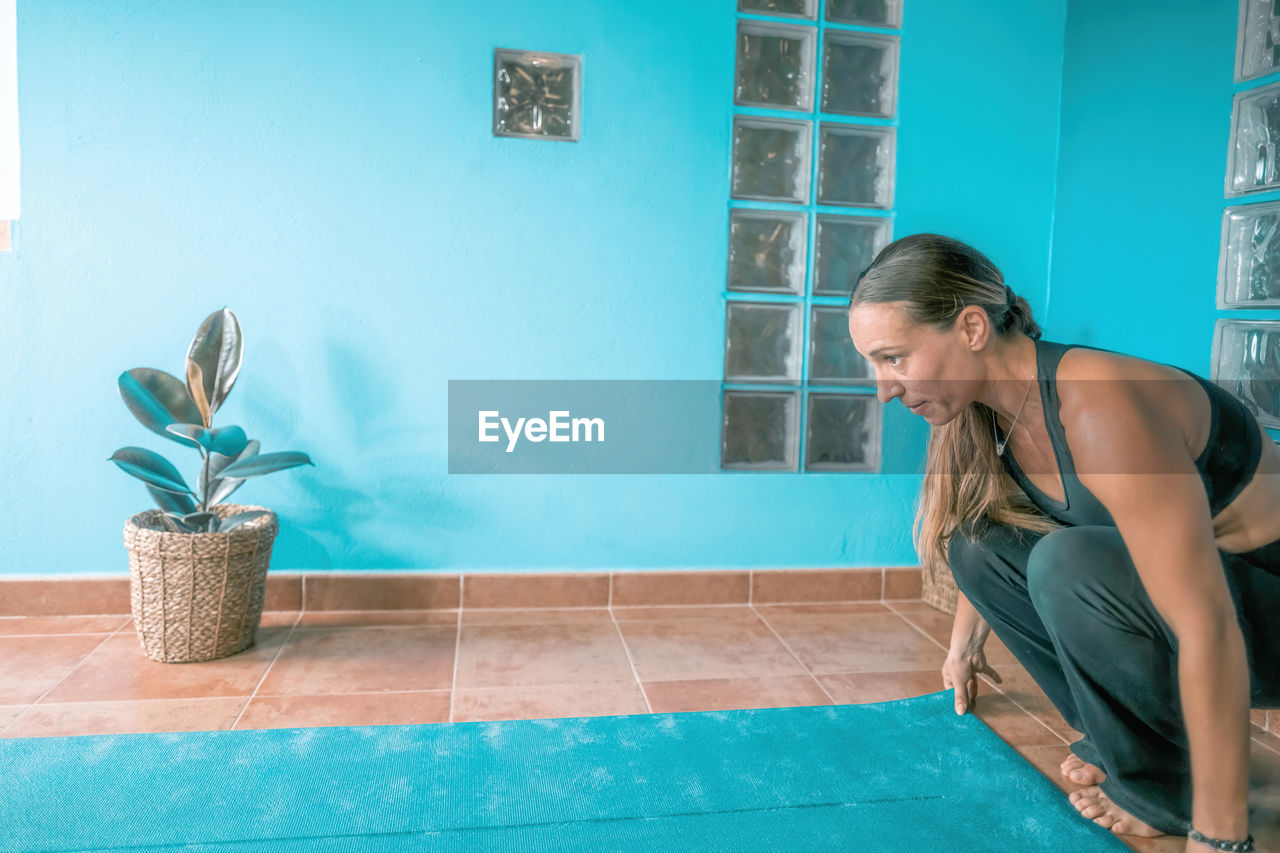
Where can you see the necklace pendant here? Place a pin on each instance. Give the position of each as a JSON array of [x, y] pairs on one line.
[[999, 450]]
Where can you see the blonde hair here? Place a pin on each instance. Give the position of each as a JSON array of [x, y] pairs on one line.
[[936, 278]]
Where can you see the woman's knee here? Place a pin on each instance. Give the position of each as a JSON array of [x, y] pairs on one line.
[[1074, 564]]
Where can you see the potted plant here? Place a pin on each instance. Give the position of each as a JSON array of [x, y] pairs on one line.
[[197, 566]]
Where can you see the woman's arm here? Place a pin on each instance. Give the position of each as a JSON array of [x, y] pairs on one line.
[[1136, 463], [969, 631]]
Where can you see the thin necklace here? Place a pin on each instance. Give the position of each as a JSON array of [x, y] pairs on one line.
[[1000, 445]]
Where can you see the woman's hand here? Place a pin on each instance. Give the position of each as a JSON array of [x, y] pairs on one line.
[[960, 671]]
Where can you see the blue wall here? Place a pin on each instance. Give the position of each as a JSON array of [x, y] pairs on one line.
[[327, 171], [1146, 117]]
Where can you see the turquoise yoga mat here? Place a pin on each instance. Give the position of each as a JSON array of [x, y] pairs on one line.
[[906, 776]]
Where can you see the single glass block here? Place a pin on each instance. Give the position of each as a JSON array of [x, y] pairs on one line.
[[855, 165], [859, 74], [771, 159], [1246, 361], [1255, 133], [775, 66], [874, 13], [767, 251], [536, 95], [842, 433], [762, 342], [843, 248], [1257, 39], [788, 8], [1249, 256], [832, 357], [761, 429]]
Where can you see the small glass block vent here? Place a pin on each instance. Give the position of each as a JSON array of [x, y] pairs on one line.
[[760, 430], [536, 95], [775, 66], [843, 248], [1249, 256], [767, 251], [874, 13], [855, 165], [1257, 39], [833, 360], [842, 433], [1246, 361], [787, 8], [771, 159], [1255, 134], [859, 74], [762, 342]]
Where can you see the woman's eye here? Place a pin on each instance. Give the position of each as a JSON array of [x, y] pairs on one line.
[[894, 363]]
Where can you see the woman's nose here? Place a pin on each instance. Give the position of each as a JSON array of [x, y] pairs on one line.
[[886, 391]]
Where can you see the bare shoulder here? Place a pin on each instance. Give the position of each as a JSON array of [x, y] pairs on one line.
[[1094, 385]]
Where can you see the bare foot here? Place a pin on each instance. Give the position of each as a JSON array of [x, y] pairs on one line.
[[1097, 806], [1082, 772]]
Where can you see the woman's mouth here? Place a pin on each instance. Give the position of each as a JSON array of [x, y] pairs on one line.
[[916, 408]]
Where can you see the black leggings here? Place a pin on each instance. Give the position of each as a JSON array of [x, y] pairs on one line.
[[1071, 608]]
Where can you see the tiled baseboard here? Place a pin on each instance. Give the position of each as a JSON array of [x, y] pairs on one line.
[[71, 596]]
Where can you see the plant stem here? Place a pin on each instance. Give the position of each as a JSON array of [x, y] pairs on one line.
[[204, 483]]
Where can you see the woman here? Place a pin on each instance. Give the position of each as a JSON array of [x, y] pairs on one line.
[[1121, 537]]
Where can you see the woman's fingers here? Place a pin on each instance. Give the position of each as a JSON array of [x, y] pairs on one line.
[[991, 672]]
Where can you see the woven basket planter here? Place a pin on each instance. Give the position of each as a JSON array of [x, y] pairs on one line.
[[198, 596]]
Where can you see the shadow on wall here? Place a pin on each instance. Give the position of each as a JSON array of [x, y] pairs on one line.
[[375, 499]]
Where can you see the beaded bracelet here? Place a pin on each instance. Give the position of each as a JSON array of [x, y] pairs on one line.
[[1245, 846]]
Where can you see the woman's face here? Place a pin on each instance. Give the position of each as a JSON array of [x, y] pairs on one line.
[[915, 363]]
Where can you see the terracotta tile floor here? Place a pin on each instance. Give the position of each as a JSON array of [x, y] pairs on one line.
[[76, 675]]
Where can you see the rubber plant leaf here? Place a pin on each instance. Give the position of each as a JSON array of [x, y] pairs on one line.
[[158, 399], [150, 467], [195, 385], [218, 461], [202, 522], [265, 463], [217, 348], [176, 523], [228, 440], [172, 501], [221, 488]]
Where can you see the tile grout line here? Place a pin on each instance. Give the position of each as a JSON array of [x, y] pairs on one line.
[[457, 645], [626, 650], [64, 677], [813, 677], [996, 687], [266, 671]]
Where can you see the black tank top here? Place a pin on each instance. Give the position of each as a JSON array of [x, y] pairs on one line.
[[1226, 465]]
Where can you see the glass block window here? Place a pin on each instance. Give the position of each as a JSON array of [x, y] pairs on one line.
[[859, 74], [767, 251], [871, 13], [1249, 256], [1246, 361], [1255, 135], [785, 8], [855, 165], [1257, 39], [759, 430], [814, 130], [832, 358], [762, 343], [775, 66], [843, 248], [843, 433], [771, 159], [536, 95]]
